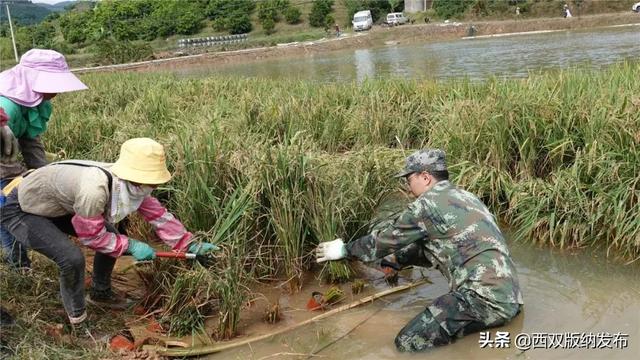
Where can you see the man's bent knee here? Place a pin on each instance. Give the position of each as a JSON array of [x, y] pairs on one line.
[[421, 333], [413, 342], [73, 261]]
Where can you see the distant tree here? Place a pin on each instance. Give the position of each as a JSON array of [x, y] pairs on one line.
[[123, 19], [379, 9], [269, 26], [176, 17], [292, 15], [319, 11], [53, 16], [43, 35], [268, 9], [73, 26], [224, 8], [24, 41], [189, 21], [111, 51], [329, 21], [128, 20], [219, 24], [239, 24], [447, 9], [396, 5], [353, 6]]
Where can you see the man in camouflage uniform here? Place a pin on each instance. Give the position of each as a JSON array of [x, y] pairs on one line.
[[452, 229]]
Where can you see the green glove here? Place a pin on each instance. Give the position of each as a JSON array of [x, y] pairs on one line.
[[140, 250], [202, 248]]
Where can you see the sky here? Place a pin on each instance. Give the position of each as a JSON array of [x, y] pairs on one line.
[[50, 2]]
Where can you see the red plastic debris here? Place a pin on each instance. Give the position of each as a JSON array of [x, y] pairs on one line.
[[312, 305], [120, 342], [316, 302]]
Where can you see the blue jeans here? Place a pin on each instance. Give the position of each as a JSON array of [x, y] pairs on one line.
[[14, 253], [50, 237]]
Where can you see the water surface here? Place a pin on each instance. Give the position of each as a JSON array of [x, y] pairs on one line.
[[479, 58], [563, 293]]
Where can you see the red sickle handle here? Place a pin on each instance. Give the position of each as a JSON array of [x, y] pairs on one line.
[[175, 255]]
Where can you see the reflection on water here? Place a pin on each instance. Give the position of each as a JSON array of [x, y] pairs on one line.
[[509, 56], [363, 62], [562, 293]]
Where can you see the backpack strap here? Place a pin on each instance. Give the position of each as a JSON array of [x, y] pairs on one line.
[[109, 176]]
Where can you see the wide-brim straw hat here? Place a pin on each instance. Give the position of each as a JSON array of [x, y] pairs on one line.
[[142, 160], [39, 72], [52, 72]]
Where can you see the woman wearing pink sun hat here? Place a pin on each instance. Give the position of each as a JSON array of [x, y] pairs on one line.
[[25, 108]]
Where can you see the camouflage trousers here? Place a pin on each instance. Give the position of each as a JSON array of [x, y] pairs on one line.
[[450, 316]]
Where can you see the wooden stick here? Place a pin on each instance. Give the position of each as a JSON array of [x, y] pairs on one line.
[[210, 349]]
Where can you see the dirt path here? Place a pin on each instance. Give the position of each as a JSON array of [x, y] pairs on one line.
[[378, 36]]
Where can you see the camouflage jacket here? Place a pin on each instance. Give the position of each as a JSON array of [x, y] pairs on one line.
[[459, 235]]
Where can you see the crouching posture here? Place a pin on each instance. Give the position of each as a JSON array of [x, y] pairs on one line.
[[453, 230], [86, 199]]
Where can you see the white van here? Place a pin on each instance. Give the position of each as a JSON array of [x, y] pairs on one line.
[[362, 20], [396, 19]]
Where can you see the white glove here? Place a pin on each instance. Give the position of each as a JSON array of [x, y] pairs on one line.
[[331, 250]]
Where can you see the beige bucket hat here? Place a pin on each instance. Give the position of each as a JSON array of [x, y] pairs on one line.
[[142, 160]]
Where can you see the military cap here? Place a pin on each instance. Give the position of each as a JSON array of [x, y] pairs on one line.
[[424, 160]]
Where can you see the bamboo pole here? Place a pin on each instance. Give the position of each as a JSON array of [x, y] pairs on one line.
[[210, 349], [13, 39]]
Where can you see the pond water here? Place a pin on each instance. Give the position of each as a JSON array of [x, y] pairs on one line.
[[478, 58], [563, 293]]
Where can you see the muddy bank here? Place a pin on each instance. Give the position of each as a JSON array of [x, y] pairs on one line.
[[378, 36]]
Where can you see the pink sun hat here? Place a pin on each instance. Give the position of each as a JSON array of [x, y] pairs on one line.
[[39, 72]]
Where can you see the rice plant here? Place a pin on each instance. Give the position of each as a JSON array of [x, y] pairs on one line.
[[188, 301], [284, 178], [555, 155], [231, 291], [326, 210]]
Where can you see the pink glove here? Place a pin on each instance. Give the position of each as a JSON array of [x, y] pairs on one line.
[[4, 118]]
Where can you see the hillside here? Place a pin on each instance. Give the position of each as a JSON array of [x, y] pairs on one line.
[[23, 12], [58, 7]]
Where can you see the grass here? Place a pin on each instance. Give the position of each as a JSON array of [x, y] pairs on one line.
[[41, 330], [269, 168]]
